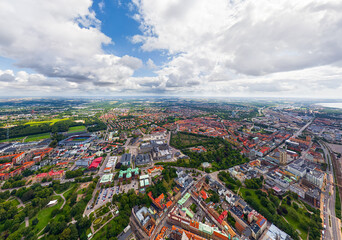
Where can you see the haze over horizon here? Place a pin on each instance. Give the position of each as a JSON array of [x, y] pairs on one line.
[[172, 48]]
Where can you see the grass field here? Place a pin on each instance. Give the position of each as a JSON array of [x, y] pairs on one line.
[[51, 122], [30, 138], [15, 202], [68, 191], [297, 218], [37, 137], [182, 140], [76, 129], [293, 216], [12, 139], [252, 192], [44, 215]]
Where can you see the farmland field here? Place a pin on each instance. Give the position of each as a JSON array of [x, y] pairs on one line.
[[51, 122]]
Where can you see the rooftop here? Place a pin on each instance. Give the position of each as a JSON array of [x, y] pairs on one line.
[[106, 178]]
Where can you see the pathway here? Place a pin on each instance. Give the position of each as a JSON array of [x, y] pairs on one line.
[[102, 225], [290, 224], [21, 204], [61, 195]]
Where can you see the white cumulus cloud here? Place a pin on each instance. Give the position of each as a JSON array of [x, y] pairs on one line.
[[212, 43], [61, 39]]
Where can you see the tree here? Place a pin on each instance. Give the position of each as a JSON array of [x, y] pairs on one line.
[[295, 206], [83, 224], [65, 235], [35, 221], [284, 210], [73, 174], [254, 183], [214, 197]]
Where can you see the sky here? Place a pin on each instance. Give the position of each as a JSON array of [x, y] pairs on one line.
[[223, 48]]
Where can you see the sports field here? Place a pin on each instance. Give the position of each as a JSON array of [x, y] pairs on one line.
[[76, 129]]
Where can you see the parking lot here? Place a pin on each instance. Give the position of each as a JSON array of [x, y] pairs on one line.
[[105, 196], [125, 188]]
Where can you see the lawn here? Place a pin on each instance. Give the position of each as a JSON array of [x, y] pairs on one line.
[[293, 216], [44, 216], [182, 140], [252, 192], [290, 209], [115, 227], [51, 122], [12, 139], [15, 202], [76, 129], [30, 138], [70, 190], [37, 137], [88, 231], [266, 205]]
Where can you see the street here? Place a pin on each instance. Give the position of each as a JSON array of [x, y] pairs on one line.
[[333, 229]]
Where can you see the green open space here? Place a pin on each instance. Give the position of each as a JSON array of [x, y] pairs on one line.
[[12, 139], [76, 129], [37, 137], [219, 153], [29, 138], [231, 183], [79, 139], [15, 202], [297, 218], [44, 216], [287, 212], [51, 122], [182, 140], [113, 228]]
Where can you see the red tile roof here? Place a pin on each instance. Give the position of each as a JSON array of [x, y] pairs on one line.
[[95, 163]]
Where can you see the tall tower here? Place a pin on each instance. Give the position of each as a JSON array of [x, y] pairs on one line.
[[283, 157]]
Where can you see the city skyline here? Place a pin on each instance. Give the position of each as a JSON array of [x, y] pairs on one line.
[[171, 48]]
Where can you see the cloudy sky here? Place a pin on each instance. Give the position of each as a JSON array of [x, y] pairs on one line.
[[283, 48]]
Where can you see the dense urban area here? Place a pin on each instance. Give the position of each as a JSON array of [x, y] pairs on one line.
[[169, 168]]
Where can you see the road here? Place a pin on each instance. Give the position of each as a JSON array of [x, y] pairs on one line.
[[302, 129], [103, 166], [333, 230], [296, 134], [100, 173]]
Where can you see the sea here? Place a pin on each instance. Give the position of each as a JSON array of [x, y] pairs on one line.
[[331, 105]]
